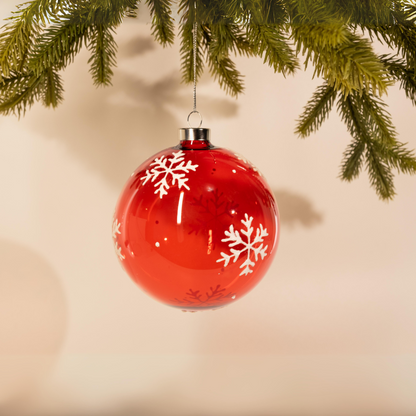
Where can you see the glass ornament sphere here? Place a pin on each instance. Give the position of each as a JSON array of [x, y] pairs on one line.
[[196, 226]]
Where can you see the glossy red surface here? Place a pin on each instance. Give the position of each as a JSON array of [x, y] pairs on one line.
[[196, 226]]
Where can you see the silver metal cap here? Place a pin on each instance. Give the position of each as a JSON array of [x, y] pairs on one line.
[[190, 133]]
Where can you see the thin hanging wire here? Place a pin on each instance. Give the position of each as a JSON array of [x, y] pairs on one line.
[[195, 38], [195, 52]]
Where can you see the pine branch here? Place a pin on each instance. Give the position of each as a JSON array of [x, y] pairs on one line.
[[374, 111], [21, 94], [410, 7], [59, 44], [316, 110], [186, 51], [400, 72], [400, 34], [62, 41], [220, 64], [366, 14], [264, 23], [220, 36], [225, 72], [162, 21], [399, 157], [15, 41], [187, 54], [359, 125], [379, 172], [108, 12], [353, 160], [103, 54], [11, 85], [339, 55], [52, 89], [356, 124], [350, 66], [227, 38], [269, 43], [18, 35]]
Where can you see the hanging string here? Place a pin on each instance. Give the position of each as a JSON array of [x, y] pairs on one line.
[[195, 33], [195, 38]]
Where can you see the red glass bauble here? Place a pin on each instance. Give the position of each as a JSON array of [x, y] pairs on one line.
[[196, 226]]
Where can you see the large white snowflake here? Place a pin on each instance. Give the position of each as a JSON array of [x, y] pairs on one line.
[[117, 248], [255, 246], [165, 167]]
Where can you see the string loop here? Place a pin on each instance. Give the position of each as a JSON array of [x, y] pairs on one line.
[[200, 116]]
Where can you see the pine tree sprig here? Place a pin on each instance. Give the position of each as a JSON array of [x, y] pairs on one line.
[[379, 172], [25, 92], [103, 50], [373, 109], [399, 157], [23, 27], [264, 23], [16, 38], [400, 72], [187, 54], [381, 155], [187, 50], [353, 160], [52, 89], [316, 110], [350, 66], [366, 14], [162, 21], [271, 44], [58, 45], [220, 64]]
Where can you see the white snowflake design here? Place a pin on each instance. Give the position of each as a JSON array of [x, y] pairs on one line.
[[117, 248], [239, 157], [176, 165], [256, 245], [116, 228]]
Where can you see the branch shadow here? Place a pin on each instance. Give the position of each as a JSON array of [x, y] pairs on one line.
[[136, 46], [296, 210]]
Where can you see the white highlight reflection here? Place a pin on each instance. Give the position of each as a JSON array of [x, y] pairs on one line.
[[179, 216]]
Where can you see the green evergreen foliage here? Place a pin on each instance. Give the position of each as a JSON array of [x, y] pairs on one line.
[[317, 110], [334, 36], [162, 24], [103, 54]]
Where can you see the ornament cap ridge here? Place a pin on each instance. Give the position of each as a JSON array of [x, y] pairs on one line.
[[190, 133]]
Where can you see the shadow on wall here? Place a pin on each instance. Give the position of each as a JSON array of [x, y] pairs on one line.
[[113, 130], [33, 321], [296, 210]]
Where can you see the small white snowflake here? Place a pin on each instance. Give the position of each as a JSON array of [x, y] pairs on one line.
[[256, 245], [176, 165], [239, 157], [116, 228], [117, 248]]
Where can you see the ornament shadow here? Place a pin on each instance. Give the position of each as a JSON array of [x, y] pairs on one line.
[[296, 210], [33, 322], [112, 130]]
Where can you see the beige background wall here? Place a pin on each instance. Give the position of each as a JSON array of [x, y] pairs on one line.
[[331, 330]]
